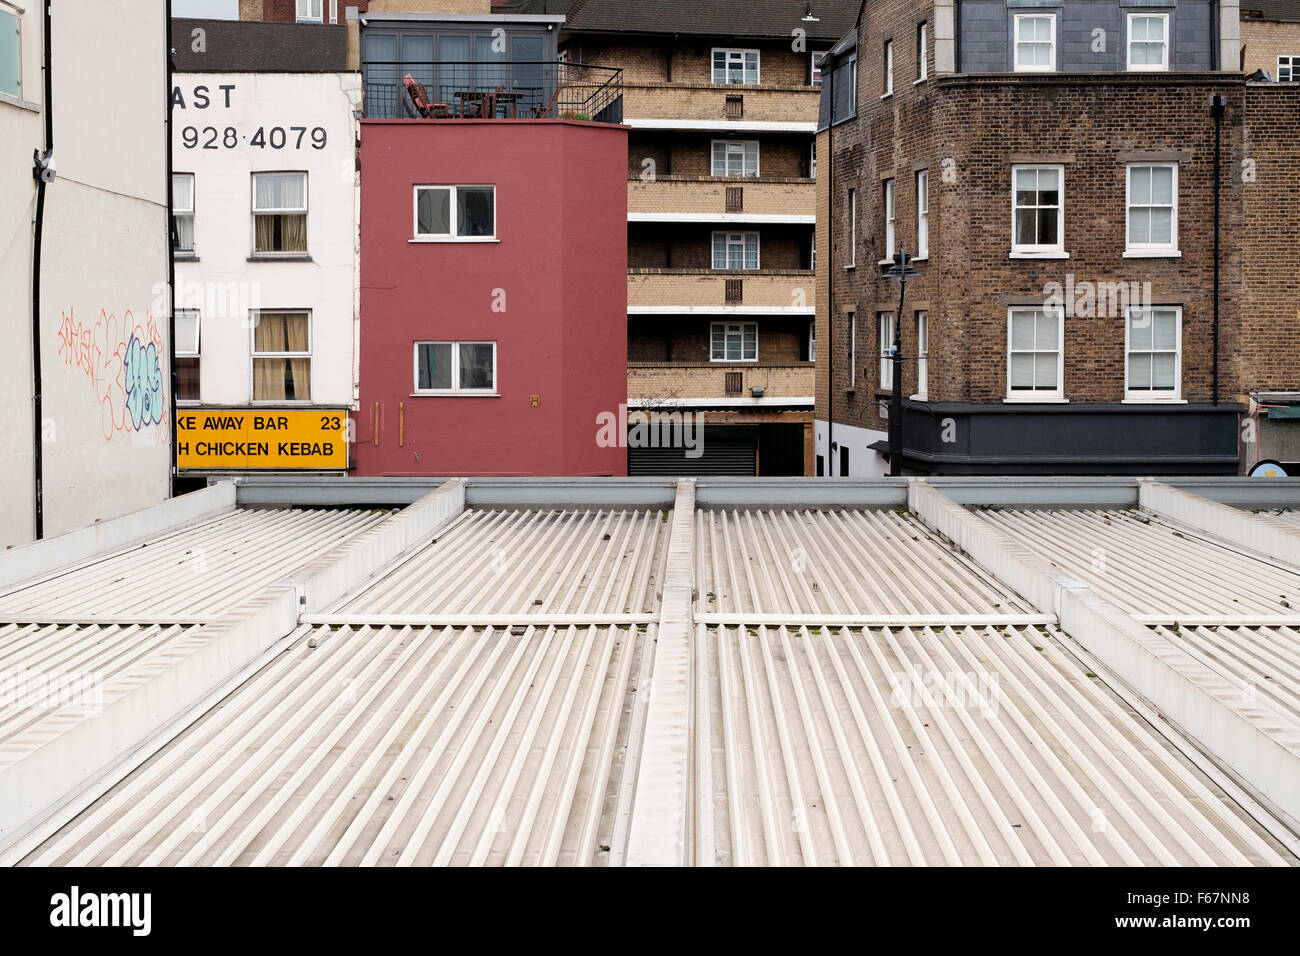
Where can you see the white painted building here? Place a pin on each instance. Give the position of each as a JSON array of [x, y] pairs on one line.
[[265, 190], [103, 387]]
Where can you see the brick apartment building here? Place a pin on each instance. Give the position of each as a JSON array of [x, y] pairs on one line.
[[721, 99], [1053, 169], [300, 11]]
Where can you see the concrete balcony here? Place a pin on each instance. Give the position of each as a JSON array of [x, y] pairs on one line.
[[734, 200], [651, 383], [762, 108], [705, 292]]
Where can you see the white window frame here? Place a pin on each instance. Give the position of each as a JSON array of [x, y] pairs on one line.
[[1016, 65], [885, 330], [758, 248], [889, 69], [179, 212], [742, 54], [195, 353], [727, 328], [1144, 395], [1038, 395], [922, 214], [815, 59], [1056, 249], [254, 355], [453, 215], [280, 211], [334, 11], [1292, 68], [1150, 248], [1163, 66], [812, 340], [922, 355], [812, 160], [891, 219], [853, 350], [17, 13], [727, 150], [308, 6], [853, 229], [456, 389], [922, 53]]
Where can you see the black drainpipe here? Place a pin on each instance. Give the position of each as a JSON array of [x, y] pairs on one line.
[[171, 251], [829, 465], [956, 36], [40, 163], [1217, 107]]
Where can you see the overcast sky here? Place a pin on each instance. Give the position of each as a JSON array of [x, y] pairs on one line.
[[217, 9]]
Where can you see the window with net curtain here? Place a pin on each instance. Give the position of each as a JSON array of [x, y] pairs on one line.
[[183, 211], [187, 355], [279, 213], [282, 357]]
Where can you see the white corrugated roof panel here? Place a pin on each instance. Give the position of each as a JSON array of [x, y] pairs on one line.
[[1149, 565], [387, 746], [971, 746], [836, 562], [195, 572], [529, 562]]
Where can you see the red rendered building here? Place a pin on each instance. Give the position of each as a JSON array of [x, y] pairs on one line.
[[493, 296]]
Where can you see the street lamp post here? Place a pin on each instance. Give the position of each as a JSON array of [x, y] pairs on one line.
[[900, 273]]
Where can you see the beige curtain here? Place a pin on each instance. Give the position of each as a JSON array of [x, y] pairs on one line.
[[293, 233], [285, 376], [265, 226]]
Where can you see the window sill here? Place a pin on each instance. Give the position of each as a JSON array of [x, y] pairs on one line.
[[455, 393], [1038, 255], [918, 398], [924, 258], [1154, 401], [184, 257], [276, 402], [1017, 400], [851, 265], [885, 96], [422, 239], [22, 104], [1152, 254], [714, 361], [920, 81], [265, 257]]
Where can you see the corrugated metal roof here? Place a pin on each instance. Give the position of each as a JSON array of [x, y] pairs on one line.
[[836, 562], [196, 572], [1151, 566], [938, 746], [387, 746], [528, 562]]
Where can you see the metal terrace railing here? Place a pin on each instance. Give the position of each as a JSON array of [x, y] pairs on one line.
[[524, 89]]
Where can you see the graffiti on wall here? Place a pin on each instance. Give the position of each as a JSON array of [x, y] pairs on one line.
[[121, 360]]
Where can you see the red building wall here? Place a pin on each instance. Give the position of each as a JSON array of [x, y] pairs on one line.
[[552, 293]]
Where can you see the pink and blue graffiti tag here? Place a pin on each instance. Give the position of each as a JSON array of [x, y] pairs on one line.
[[121, 359]]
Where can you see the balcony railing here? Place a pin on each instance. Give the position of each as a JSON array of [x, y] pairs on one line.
[[532, 89]]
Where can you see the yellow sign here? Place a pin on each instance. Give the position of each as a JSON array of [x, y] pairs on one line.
[[285, 439]]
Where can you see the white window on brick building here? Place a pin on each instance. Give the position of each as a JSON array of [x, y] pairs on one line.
[[309, 11], [1037, 210], [1288, 69], [891, 237], [885, 341], [922, 214], [853, 349], [922, 53], [735, 250], [815, 66], [1152, 209], [889, 67], [922, 355], [1148, 41], [1035, 356], [735, 157], [733, 342], [1153, 370], [853, 229], [1035, 43], [735, 66]]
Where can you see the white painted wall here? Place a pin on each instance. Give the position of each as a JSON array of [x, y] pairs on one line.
[[105, 259], [863, 462], [222, 283]]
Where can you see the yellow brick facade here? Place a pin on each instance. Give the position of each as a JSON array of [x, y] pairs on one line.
[[684, 101], [430, 6], [1262, 43], [652, 380], [704, 288]]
